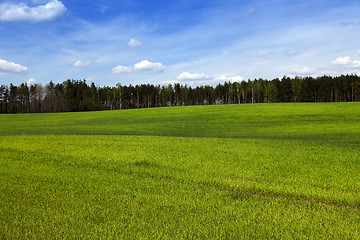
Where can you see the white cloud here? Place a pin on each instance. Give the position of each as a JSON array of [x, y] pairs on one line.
[[346, 61], [172, 82], [359, 52], [122, 69], [134, 43], [232, 79], [82, 63], [193, 76], [356, 64], [304, 70], [21, 12], [149, 67], [7, 68], [143, 66], [91, 79], [31, 81], [202, 79], [342, 61]]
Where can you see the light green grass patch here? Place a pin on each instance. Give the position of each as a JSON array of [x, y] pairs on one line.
[[245, 171]]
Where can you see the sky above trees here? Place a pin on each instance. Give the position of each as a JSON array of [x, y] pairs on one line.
[[192, 42]]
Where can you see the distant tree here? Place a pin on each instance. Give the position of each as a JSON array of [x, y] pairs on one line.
[[23, 96], [285, 90], [49, 100], [4, 98], [296, 86], [271, 92], [77, 95]]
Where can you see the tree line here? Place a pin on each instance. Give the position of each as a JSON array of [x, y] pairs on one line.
[[78, 95]]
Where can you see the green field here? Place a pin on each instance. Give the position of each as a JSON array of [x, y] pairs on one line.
[[252, 171]]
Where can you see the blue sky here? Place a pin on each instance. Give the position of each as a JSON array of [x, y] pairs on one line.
[[187, 41]]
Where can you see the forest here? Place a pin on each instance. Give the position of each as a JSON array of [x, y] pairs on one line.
[[78, 95]]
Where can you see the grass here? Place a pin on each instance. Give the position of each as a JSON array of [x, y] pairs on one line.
[[284, 171]]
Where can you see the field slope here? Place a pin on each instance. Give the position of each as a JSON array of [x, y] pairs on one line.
[[287, 171]]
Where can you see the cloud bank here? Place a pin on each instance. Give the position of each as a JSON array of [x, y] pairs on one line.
[[143, 66], [122, 69], [232, 79], [196, 79], [347, 62], [303, 71], [342, 61], [21, 12], [185, 76], [9, 68], [356, 64]]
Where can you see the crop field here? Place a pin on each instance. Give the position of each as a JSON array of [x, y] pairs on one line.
[[251, 171]]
